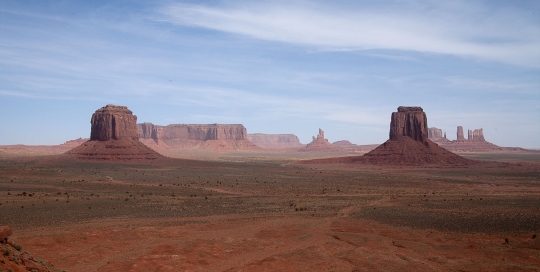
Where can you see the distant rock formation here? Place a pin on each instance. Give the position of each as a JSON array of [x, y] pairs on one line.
[[437, 135], [320, 144], [113, 137], [475, 142], [408, 144], [275, 141], [350, 147], [217, 137]]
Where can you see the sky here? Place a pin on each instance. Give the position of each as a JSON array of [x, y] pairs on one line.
[[274, 66]]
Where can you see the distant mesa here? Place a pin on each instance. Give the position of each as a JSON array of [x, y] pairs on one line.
[[113, 137], [275, 141], [213, 137], [350, 147], [408, 144]]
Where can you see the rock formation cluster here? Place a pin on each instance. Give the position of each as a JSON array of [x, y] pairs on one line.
[[218, 137], [113, 137], [475, 142], [275, 141]]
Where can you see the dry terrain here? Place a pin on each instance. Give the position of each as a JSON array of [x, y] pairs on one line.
[[265, 212]]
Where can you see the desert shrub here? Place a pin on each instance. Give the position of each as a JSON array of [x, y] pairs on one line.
[[17, 247]]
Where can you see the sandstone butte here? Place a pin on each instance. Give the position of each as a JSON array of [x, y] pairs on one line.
[[113, 137], [275, 141], [214, 137], [408, 144]]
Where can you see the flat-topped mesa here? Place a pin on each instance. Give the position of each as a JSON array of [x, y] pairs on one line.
[[275, 141], [409, 121], [113, 122], [198, 132]]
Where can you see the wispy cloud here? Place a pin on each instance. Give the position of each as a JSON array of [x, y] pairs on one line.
[[460, 29]]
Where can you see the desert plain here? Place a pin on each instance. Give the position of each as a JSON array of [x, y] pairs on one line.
[[269, 211]]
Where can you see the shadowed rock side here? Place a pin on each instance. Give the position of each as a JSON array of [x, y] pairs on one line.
[[275, 141], [213, 137], [113, 137], [408, 144]]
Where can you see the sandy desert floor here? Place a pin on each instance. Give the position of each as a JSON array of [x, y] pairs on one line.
[[269, 213]]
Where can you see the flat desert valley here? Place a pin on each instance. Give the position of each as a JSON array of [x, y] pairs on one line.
[[257, 211]]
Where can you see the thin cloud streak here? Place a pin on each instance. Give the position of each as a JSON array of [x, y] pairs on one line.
[[463, 30]]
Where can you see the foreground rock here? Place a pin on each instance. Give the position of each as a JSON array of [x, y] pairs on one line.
[[5, 232], [408, 144], [213, 137], [275, 141], [114, 137], [12, 258]]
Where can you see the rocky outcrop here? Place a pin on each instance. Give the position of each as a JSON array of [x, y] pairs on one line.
[[113, 122], [408, 144], [5, 232], [113, 137], [409, 122], [320, 144], [275, 141], [222, 137]]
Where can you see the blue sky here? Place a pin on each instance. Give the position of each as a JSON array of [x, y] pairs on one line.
[[273, 66]]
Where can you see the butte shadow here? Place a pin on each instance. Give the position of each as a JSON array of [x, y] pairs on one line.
[[408, 145]]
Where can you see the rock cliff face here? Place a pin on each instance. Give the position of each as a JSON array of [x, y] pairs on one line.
[[410, 122], [113, 122], [229, 136], [275, 141], [113, 136]]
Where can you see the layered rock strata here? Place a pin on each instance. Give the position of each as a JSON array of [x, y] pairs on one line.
[[113, 137], [275, 141], [218, 137]]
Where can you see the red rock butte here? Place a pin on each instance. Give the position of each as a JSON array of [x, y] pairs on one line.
[[408, 144], [114, 137]]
